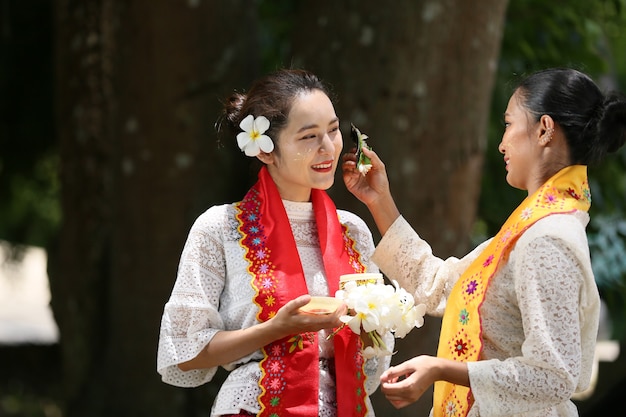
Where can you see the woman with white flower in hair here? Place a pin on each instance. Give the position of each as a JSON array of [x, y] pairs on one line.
[[248, 268]]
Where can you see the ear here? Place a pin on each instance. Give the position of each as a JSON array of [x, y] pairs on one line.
[[545, 123], [266, 158], [546, 129]]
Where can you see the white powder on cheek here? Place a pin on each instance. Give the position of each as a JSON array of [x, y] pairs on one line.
[[301, 156]]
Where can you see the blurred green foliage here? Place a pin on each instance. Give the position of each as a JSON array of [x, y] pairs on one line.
[[29, 187], [28, 405]]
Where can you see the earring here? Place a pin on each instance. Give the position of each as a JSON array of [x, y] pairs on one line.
[[547, 137]]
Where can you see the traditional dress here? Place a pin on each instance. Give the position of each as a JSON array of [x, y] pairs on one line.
[[231, 274], [535, 313]]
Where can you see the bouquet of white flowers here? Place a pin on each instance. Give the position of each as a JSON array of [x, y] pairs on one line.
[[377, 309]]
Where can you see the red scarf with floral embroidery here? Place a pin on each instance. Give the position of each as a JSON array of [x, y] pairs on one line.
[[461, 331], [290, 367]]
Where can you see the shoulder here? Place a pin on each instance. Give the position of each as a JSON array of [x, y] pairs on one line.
[[567, 226], [361, 234], [554, 254], [352, 221], [216, 218], [562, 231], [357, 230]]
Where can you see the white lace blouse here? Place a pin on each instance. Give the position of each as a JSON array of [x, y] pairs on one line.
[[540, 313], [212, 292]]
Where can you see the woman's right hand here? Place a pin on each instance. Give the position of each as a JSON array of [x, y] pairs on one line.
[[230, 345], [372, 188], [289, 320]]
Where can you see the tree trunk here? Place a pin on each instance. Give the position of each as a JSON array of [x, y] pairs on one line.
[[416, 77], [139, 86]]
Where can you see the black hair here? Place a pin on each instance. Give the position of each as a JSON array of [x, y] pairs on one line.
[[594, 124], [271, 96]]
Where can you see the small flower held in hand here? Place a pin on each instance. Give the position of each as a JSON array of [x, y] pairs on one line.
[[363, 163], [252, 140], [377, 309]]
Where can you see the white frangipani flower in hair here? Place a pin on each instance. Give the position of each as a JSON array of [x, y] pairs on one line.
[[252, 140]]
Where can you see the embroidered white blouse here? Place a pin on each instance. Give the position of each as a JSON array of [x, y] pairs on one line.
[[212, 292], [540, 313]]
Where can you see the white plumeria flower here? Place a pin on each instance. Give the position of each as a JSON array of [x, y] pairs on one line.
[[379, 309], [366, 306], [252, 140], [412, 318], [364, 168]]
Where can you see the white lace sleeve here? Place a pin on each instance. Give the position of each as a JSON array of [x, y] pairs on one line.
[[403, 256], [558, 305], [191, 318]]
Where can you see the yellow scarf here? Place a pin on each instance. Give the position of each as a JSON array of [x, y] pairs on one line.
[[461, 331]]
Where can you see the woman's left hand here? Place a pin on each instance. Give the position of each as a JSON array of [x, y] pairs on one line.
[[405, 383]]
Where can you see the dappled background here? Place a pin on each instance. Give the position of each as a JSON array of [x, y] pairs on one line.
[[108, 152]]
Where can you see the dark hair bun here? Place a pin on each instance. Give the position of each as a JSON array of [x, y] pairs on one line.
[[612, 123], [232, 108]]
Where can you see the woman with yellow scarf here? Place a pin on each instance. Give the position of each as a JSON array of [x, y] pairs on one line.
[[520, 312]]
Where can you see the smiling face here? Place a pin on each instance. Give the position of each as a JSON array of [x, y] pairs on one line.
[[520, 147], [308, 148]]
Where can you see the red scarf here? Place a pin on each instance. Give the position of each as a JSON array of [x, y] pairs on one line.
[[290, 367]]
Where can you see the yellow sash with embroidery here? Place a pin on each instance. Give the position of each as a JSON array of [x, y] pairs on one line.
[[461, 331]]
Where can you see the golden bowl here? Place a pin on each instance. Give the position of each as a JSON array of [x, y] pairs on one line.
[[321, 305], [361, 279]]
